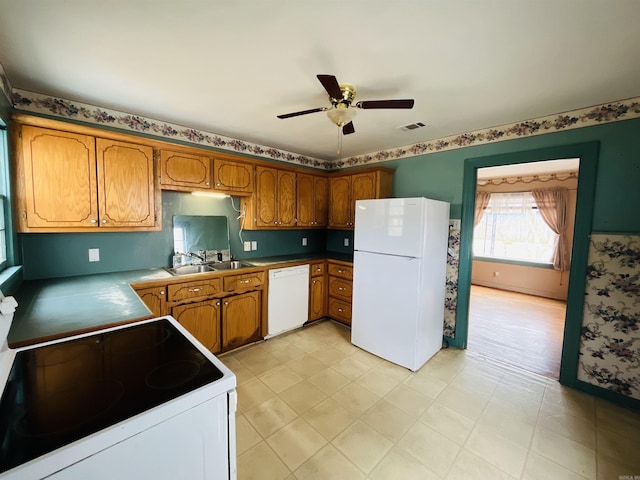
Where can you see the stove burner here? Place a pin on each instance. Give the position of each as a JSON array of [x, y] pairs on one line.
[[52, 415], [172, 374]]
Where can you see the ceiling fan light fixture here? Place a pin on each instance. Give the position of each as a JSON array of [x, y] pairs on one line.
[[341, 114]]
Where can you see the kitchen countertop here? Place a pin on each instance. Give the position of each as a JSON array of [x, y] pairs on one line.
[[56, 307], [49, 308]]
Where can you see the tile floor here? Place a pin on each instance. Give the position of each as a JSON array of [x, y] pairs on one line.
[[313, 406]]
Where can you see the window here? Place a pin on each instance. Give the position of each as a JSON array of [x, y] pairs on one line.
[[513, 229]]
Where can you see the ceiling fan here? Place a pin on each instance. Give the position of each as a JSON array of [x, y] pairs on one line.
[[342, 108]]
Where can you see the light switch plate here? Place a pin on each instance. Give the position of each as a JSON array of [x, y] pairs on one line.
[[254, 245], [94, 254], [304, 241], [247, 246], [346, 242]]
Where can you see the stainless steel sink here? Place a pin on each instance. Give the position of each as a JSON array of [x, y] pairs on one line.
[[189, 269], [229, 265]]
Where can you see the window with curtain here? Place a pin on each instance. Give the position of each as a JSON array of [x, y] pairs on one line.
[[512, 228]]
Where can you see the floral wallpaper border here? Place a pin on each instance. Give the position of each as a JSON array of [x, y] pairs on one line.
[[610, 334], [59, 107], [451, 285]]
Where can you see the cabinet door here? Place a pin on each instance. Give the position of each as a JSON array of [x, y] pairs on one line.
[[126, 184], [267, 180], [306, 200], [317, 297], [155, 299], [202, 320], [240, 320], [193, 172], [232, 176], [363, 187], [59, 182], [321, 201], [340, 202], [286, 194]]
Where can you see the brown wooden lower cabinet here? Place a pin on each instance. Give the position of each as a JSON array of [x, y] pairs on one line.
[[340, 310], [340, 290], [240, 320], [317, 298], [155, 299], [202, 320]]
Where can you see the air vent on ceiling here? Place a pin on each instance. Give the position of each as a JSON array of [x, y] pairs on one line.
[[412, 126]]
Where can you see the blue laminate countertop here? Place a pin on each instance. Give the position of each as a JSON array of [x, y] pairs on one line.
[[53, 307]]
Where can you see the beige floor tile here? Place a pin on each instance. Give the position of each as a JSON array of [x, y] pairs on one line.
[[574, 427], [243, 374], [618, 448], [608, 469], [452, 425], [329, 418], [306, 366], [328, 464], [261, 364], [261, 463], [230, 361], [541, 468], [433, 450], [296, 443], [512, 427], [280, 378], [444, 373], [377, 383], [514, 406], [618, 419], [302, 396], [471, 467], [369, 359], [329, 355], [287, 353], [351, 368], [246, 435], [252, 393], [568, 453], [355, 398], [399, 465], [478, 382], [362, 445], [393, 371], [426, 384], [388, 420], [409, 400], [270, 416], [499, 451], [329, 381], [469, 404], [560, 399], [345, 346], [310, 344]]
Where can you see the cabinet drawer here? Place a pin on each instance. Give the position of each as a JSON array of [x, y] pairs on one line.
[[203, 288], [340, 310], [244, 281], [339, 287], [317, 269], [341, 271]]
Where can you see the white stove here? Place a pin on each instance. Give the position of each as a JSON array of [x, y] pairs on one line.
[[144, 400]]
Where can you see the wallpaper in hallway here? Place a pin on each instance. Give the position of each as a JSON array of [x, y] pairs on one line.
[[451, 292], [610, 336]]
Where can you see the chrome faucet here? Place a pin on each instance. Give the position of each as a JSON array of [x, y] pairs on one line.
[[200, 257]]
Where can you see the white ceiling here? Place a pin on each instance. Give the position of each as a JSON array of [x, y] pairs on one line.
[[229, 67]]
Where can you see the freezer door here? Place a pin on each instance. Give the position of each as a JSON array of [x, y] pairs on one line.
[[393, 226], [386, 307]]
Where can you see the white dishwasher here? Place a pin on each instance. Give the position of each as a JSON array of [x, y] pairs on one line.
[[288, 306]]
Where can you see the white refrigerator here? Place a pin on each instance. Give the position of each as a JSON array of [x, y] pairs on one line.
[[399, 272]]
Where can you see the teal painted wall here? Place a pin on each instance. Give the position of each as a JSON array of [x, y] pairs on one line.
[[50, 255]]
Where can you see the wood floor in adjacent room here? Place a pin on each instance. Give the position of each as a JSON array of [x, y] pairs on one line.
[[517, 329]]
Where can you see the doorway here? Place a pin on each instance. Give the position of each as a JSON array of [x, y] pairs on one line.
[[517, 304], [587, 153]]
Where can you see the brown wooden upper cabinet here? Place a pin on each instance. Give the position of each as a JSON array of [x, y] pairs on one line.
[[274, 203], [313, 201], [68, 182], [184, 171], [344, 190], [232, 177]]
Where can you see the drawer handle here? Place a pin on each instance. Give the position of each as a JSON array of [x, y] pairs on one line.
[[340, 271], [340, 310], [341, 288], [245, 281], [194, 289]]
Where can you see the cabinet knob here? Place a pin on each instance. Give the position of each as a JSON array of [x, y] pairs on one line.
[[217, 184], [194, 289], [218, 304], [226, 303], [340, 310], [161, 292], [104, 221], [93, 220], [245, 281], [207, 184], [340, 288]]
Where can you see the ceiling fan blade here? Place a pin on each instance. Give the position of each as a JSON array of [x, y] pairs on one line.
[[331, 85], [303, 112], [348, 129], [407, 103]]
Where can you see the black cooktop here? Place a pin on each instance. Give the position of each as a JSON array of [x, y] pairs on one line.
[[59, 393]]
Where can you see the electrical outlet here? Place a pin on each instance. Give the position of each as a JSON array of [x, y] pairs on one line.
[[454, 223], [254, 245], [304, 241], [94, 254], [247, 246], [346, 242]]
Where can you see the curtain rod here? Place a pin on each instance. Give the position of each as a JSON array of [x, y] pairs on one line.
[[560, 177]]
